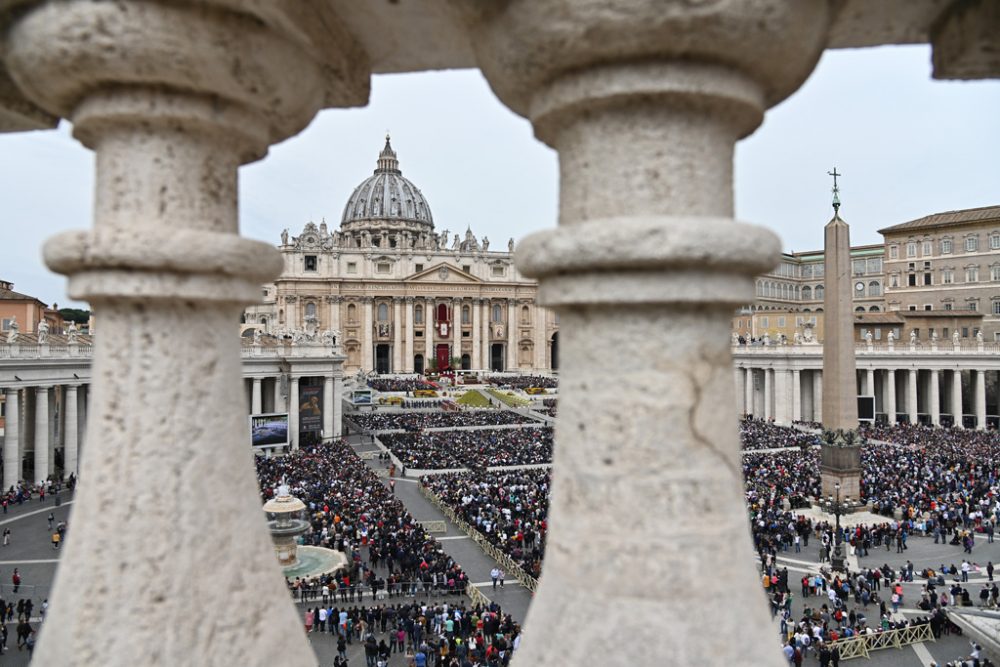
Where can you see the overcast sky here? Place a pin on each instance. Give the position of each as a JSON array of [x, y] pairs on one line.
[[907, 145]]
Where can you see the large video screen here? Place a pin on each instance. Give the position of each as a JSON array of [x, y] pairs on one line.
[[866, 408], [269, 429]]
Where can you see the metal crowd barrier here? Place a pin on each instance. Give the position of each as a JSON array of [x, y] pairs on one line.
[[860, 646], [491, 550], [434, 526]]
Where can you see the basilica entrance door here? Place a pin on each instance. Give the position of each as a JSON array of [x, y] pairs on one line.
[[496, 357], [442, 356], [382, 364]]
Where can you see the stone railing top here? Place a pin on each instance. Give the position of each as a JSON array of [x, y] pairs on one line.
[[921, 347]]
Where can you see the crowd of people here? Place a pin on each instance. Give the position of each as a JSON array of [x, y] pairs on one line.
[[478, 448], [509, 507], [760, 434], [400, 384], [522, 381], [418, 421], [350, 510]]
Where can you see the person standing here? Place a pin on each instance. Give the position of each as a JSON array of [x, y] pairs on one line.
[[6, 536], [495, 576], [503, 575], [52, 520], [16, 580]]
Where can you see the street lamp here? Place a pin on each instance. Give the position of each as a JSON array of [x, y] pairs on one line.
[[838, 558]]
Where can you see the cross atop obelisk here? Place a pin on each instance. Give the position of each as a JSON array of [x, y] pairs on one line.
[[836, 190]]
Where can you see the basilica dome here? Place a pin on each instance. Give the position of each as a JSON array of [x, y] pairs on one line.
[[387, 200]]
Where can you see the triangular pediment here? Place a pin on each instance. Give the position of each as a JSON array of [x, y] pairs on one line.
[[442, 272]]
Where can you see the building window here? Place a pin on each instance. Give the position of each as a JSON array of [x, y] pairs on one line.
[[859, 309], [972, 274], [927, 279], [7, 322], [418, 268], [858, 266], [466, 313], [418, 315], [916, 333], [928, 249], [818, 292], [894, 252], [875, 265], [894, 280], [928, 306], [525, 315], [383, 312], [498, 271], [352, 267], [913, 307], [764, 323], [310, 310], [995, 272], [310, 262], [419, 334], [874, 288], [973, 306], [911, 249], [807, 293], [971, 243], [383, 267], [781, 322], [930, 333], [994, 241], [497, 313], [944, 333], [911, 280], [467, 268], [352, 313], [965, 332], [947, 276], [996, 307], [945, 246]]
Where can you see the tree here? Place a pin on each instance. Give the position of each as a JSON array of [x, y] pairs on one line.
[[77, 315]]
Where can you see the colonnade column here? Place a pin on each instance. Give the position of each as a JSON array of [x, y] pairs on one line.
[[870, 381], [512, 354], [293, 412], [796, 395], [409, 352], [739, 378], [768, 394], [911, 395], [70, 444], [980, 399], [956, 397], [781, 403], [12, 440], [935, 397], [256, 403], [397, 334], [338, 406], [188, 93], [477, 353], [890, 386], [647, 255], [818, 396], [540, 337], [328, 401], [41, 434], [456, 328], [749, 393], [367, 344], [429, 332]]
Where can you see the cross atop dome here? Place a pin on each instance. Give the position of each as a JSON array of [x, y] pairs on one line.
[[387, 161]]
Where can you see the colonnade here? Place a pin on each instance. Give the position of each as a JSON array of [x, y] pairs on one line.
[[42, 421], [474, 337], [908, 392], [266, 395]]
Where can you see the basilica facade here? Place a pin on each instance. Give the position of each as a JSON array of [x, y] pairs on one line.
[[404, 297]]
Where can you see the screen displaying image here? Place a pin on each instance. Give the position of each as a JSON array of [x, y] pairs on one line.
[[271, 429]]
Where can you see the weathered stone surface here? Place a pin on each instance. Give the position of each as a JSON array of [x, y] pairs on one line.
[[965, 41]]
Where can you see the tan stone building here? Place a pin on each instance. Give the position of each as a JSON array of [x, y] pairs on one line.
[[404, 297], [26, 310]]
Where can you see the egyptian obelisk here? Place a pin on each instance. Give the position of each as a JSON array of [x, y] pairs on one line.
[[840, 466], [840, 394]]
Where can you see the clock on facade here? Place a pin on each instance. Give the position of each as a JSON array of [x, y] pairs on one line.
[[859, 286]]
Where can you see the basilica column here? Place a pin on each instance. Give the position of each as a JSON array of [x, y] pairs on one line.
[[397, 334], [980, 399], [338, 406], [538, 321], [512, 351], [477, 338], [408, 352], [456, 328], [911, 395], [644, 106], [333, 301], [255, 398], [367, 346], [956, 397], [429, 329], [890, 387], [486, 336], [328, 411], [70, 444], [172, 98], [41, 434], [935, 397], [796, 395], [12, 440]]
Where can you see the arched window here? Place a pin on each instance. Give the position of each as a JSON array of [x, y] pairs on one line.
[[383, 312], [807, 293], [874, 288], [874, 309], [263, 320], [818, 292], [525, 315], [352, 313], [466, 315], [418, 315], [859, 309], [497, 313], [310, 309], [281, 316], [442, 313]]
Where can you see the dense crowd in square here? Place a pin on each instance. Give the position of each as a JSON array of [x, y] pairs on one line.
[[759, 434], [522, 381], [480, 448], [418, 421], [509, 507], [400, 384]]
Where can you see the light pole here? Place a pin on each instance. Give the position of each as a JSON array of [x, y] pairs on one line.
[[838, 558]]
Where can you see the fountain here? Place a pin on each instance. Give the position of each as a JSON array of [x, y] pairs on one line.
[[286, 522]]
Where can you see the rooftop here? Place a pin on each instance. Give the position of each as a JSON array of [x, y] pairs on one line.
[[947, 219]]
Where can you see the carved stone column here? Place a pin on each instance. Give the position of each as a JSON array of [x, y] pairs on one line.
[[477, 338], [329, 399], [367, 346], [957, 408], [42, 442], [935, 396], [456, 328], [485, 334], [541, 337], [644, 102], [512, 353], [70, 432], [409, 352], [334, 301], [172, 98], [430, 319], [397, 334]]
